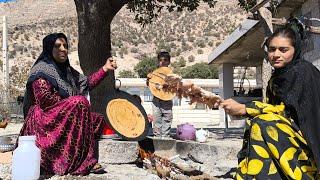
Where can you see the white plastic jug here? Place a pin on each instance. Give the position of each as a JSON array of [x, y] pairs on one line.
[[26, 159], [202, 135]]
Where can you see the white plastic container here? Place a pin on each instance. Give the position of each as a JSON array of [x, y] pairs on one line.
[[26, 159], [202, 135]]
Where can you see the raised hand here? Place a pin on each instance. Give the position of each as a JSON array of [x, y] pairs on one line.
[[234, 108], [110, 65]]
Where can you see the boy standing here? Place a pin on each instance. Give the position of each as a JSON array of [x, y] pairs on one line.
[[162, 110]]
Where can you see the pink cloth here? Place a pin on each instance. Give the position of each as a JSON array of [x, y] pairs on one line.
[[65, 128]]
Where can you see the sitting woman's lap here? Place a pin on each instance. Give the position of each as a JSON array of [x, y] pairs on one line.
[[66, 135], [274, 147]]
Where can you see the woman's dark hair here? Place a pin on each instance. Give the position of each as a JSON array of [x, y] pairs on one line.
[[285, 32], [165, 55], [293, 30]]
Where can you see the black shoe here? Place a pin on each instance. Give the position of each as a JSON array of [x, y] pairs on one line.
[[98, 169]]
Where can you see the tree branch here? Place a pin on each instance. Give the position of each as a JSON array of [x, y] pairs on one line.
[[258, 6], [283, 21], [117, 5]]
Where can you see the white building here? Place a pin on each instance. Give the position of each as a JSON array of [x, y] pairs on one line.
[[198, 115]]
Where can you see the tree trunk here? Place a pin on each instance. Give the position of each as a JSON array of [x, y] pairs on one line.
[[266, 20], [266, 75], [94, 19]]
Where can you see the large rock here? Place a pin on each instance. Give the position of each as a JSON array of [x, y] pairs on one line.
[[170, 147], [164, 147], [198, 151], [117, 151]]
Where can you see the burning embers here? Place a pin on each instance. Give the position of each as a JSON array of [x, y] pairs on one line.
[[172, 168]]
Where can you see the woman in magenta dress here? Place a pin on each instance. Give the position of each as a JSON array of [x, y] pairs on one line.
[[57, 112]]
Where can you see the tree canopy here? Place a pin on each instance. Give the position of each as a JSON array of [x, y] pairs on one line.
[[146, 10], [94, 21], [200, 71], [145, 66], [126, 74], [197, 71], [247, 4]]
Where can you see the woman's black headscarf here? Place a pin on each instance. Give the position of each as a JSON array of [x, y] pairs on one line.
[[66, 80], [297, 85]]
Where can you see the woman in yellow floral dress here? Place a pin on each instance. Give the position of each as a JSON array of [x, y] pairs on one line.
[[282, 137]]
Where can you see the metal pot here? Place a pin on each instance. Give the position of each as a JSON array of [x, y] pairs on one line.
[[120, 125], [5, 144], [5, 140], [186, 132]]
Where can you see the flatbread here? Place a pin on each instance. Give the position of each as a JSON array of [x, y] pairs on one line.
[[126, 118], [157, 80]]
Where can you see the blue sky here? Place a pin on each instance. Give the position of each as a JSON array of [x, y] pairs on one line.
[[5, 0]]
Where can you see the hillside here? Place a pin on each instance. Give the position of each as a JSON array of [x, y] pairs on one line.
[[191, 36]]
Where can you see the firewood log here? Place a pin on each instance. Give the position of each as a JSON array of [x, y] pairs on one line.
[[162, 171], [4, 124]]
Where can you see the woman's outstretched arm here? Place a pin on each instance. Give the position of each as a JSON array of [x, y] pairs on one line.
[[95, 78]]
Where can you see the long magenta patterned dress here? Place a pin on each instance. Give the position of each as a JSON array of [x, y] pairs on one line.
[[65, 128]]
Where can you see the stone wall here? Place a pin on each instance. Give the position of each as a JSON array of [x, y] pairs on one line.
[[312, 45]]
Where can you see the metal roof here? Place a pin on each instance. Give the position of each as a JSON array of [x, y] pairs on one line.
[[243, 46]]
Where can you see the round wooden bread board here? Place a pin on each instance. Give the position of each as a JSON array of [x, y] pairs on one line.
[[127, 118], [158, 78]]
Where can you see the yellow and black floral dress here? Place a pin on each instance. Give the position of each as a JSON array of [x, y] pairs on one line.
[[273, 147]]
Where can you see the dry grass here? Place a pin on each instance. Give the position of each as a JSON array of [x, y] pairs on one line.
[[183, 34]]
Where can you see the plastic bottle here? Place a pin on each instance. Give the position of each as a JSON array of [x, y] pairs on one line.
[[26, 159]]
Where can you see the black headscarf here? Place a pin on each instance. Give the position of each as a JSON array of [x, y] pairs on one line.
[[297, 85], [66, 80]]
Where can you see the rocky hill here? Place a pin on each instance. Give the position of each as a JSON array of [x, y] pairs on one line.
[[189, 36]]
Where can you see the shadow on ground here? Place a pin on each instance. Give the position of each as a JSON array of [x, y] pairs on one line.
[[229, 174]]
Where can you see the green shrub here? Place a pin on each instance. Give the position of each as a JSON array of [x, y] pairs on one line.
[[145, 66], [126, 74], [200, 51], [191, 58], [200, 71]]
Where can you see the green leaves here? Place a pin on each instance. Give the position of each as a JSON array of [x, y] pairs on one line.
[[200, 71], [126, 74], [247, 4], [145, 66], [148, 10]]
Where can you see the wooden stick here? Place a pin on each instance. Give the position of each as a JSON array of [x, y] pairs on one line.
[[164, 168], [314, 29], [4, 124], [279, 21], [174, 84], [283, 21], [258, 6]]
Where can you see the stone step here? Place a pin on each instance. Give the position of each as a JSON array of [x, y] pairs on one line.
[[123, 152], [117, 151]]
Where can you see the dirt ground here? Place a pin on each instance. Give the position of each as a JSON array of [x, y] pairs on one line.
[[221, 168]]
